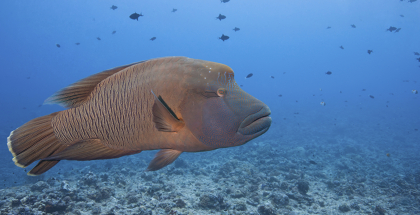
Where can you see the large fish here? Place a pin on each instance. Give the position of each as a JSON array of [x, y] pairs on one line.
[[175, 104]]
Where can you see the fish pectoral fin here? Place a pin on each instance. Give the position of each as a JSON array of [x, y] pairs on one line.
[[164, 118], [163, 158], [91, 149]]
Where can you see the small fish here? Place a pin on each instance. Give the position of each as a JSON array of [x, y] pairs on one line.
[[371, 96], [415, 91], [174, 10], [341, 47], [58, 45], [411, 1], [341, 92], [398, 30], [328, 27], [280, 95], [224, 37], [136, 107], [220, 17], [153, 38], [391, 29], [388, 155], [113, 7], [272, 77], [328, 73], [369, 51], [113, 32], [418, 59], [135, 16], [402, 15], [224, 1], [323, 103], [353, 26], [77, 44], [236, 29], [363, 89], [416, 53], [249, 75], [312, 162], [98, 38]]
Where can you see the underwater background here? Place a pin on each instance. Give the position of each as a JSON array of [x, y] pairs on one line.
[[358, 152]]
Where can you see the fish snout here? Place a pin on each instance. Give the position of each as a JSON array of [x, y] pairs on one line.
[[256, 123]]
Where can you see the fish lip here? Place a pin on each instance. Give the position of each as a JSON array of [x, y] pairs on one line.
[[261, 119]]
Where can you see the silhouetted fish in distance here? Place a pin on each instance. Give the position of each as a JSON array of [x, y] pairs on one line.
[[371, 96], [369, 51], [174, 10], [135, 16], [113, 7], [173, 104], [224, 37], [416, 53], [220, 17], [58, 45], [98, 38], [249, 75], [328, 73], [328, 27], [153, 38], [224, 1], [312, 162], [113, 32], [77, 43], [341, 47], [353, 26], [236, 29], [391, 29]]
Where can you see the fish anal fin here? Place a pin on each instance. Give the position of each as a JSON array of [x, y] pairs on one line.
[[77, 93], [91, 149], [42, 167], [163, 158], [164, 118]]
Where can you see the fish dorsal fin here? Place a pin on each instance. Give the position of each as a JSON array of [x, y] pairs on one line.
[[164, 118], [163, 158], [77, 93]]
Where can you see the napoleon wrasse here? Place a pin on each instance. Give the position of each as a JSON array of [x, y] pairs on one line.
[[175, 104]]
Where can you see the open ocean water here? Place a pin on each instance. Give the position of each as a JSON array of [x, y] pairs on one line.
[[341, 78]]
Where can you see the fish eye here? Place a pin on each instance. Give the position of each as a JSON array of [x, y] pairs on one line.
[[221, 92]]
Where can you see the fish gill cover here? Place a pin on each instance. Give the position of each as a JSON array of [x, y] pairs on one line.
[[344, 106]]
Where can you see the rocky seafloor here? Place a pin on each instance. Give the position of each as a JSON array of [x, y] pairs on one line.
[[317, 175]]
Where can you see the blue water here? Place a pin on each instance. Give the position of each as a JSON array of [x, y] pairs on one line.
[[285, 39]]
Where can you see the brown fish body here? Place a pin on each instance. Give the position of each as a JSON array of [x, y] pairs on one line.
[[175, 104], [118, 111]]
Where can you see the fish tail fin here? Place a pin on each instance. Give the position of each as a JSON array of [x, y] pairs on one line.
[[33, 141]]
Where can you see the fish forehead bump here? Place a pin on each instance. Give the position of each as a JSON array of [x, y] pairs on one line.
[[207, 71]]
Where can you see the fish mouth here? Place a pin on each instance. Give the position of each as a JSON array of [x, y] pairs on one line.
[[258, 122]]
